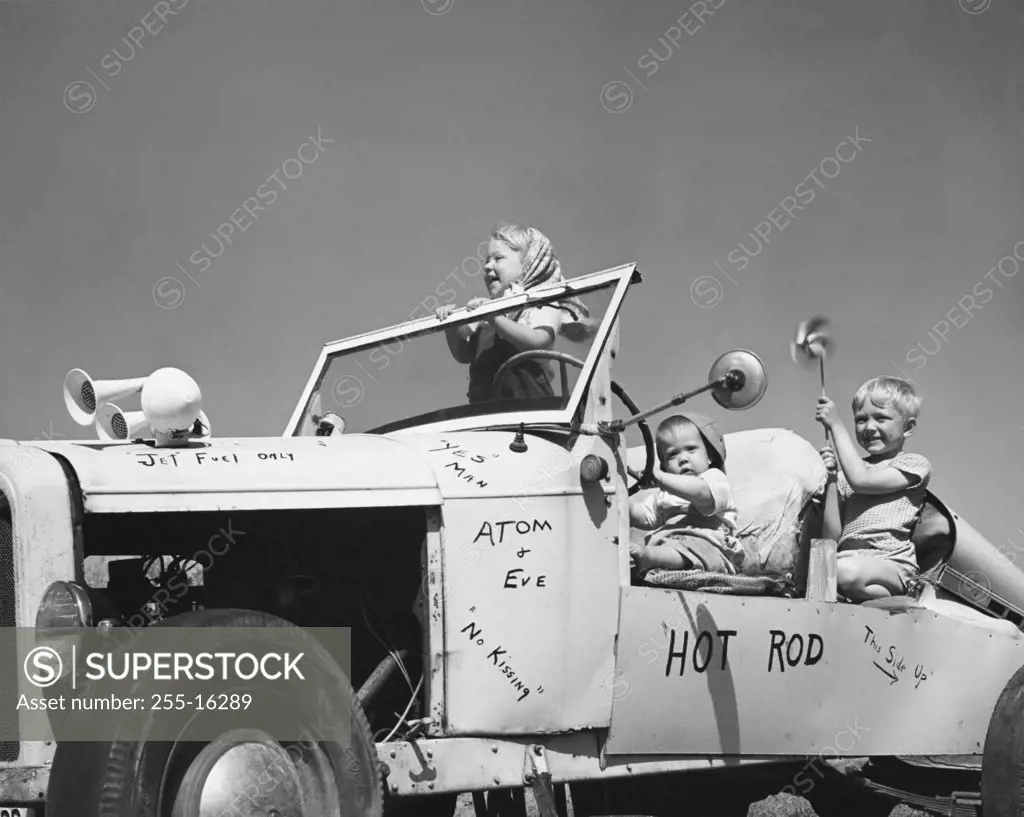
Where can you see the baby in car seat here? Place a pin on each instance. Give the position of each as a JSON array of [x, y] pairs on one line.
[[692, 515]]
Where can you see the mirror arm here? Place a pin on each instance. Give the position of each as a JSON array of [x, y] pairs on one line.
[[733, 380]]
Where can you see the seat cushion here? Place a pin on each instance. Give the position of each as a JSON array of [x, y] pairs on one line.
[[773, 473], [933, 535]]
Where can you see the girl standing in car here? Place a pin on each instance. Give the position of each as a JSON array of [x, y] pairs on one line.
[[518, 259]]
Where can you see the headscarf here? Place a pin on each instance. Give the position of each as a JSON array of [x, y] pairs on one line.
[[541, 266]]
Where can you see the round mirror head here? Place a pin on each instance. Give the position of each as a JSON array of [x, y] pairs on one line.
[[745, 376]]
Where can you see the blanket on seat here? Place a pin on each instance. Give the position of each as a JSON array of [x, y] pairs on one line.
[[702, 553], [721, 583]]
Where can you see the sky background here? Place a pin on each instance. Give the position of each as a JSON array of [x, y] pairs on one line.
[[448, 116]]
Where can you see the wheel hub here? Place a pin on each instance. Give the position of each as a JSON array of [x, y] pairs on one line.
[[254, 775]]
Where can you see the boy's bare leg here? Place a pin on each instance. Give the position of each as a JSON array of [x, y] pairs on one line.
[[862, 578]]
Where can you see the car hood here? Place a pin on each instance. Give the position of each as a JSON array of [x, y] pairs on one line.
[[249, 473]]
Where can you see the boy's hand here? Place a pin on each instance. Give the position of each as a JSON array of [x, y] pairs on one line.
[[476, 303], [826, 412], [443, 312], [828, 456]]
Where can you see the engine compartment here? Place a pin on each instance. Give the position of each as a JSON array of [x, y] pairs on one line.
[[359, 568]]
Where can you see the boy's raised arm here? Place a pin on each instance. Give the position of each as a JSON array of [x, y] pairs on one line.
[[864, 481]]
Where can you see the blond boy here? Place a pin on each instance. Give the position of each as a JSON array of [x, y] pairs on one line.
[[879, 496]]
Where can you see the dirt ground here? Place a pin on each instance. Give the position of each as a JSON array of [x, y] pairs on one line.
[[757, 796], [780, 805]]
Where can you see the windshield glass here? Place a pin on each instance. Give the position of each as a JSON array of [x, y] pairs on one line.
[[405, 381]]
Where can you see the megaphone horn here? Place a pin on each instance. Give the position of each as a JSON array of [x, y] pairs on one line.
[[201, 429], [114, 424], [83, 395]]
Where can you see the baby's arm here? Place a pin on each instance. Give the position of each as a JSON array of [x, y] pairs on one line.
[[694, 490], [644, 513]]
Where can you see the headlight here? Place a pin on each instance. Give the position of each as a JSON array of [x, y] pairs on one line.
[[64, 604]]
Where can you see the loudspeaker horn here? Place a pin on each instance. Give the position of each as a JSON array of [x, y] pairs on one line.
[[83, 395], [201, 429], [330, 425], [113, 424]]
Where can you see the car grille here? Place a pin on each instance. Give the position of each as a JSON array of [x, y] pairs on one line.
[[9, 750]]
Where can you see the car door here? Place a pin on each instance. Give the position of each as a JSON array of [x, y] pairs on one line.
[[707, 674]]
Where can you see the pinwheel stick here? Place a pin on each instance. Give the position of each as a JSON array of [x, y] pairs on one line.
[[821, 368]]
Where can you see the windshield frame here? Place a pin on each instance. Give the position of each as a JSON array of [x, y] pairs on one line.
[[623, 275]]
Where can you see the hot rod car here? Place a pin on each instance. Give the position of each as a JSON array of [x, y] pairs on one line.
[[479, 552]]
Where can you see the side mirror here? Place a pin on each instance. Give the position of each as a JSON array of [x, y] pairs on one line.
[[741, 380], [330, 425], [737, 380]]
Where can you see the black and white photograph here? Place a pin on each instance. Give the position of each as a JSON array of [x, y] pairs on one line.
[[508, 408]]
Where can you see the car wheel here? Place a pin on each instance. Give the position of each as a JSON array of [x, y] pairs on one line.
[[242, 772], [1002, 763]]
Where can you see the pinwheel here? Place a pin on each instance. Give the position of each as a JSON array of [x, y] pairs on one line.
[[812, 343]]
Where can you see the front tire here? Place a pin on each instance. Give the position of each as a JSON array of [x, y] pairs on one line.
[[1002, 763], [140, 778]]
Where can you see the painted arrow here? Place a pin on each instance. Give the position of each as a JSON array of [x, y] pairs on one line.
[[887, 674]]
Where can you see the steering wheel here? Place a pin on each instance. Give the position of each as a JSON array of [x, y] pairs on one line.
[[515, 360], [643, 479]]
